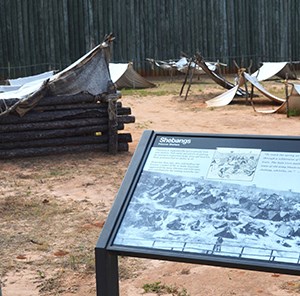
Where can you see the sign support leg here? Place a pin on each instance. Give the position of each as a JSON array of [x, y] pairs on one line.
[[107, 274]]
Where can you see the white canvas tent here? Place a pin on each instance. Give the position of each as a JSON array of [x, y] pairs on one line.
[[226, 98], [14, 84], [292, 104], [270, 69], [289, 104], [223, 99], [183, 64], [260, 88], [218, 78], [124, 76], [23, 80]]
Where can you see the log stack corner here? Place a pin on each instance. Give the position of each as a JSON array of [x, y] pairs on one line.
[[70, 112]]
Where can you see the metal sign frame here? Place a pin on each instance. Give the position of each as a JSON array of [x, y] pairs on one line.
[[230, 162]]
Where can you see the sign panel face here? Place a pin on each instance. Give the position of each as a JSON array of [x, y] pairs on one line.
[[219, 197]]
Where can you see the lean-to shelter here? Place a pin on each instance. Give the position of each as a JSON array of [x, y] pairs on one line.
[[74, 110]]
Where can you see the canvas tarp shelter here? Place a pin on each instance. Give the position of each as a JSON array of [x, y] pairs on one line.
[[184, 65], [6, 88], [88, 74], [124, 76], [260, 87], [226, 98], [14, 84], [23, 80], [270, 69], [223, 99], [292, 104], [217, 78]]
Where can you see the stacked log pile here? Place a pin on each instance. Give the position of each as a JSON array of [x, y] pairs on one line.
[[66, 124]]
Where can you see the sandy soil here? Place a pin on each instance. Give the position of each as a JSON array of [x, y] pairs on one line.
[[52, 208]]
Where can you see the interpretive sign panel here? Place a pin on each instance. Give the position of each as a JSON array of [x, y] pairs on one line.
[[224, 200]]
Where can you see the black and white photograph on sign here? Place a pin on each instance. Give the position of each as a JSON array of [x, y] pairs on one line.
[[234, 164], [251, 211]]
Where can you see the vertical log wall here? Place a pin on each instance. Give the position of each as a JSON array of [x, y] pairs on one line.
[[38, 35]]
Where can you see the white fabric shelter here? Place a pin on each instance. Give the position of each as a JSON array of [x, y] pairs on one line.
[[270, 69]]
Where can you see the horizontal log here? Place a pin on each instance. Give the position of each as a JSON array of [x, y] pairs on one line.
[[77, 105], [69, 107], [63, 99], [66, 141], [68, 99], [66, 104], [76, 99], [124, 138], [59, 133], [61, 103], [61, 124], [80, 98], [126, 119], [120, 110], [54, 115], [58, 124], [124, 111], [43, 151]]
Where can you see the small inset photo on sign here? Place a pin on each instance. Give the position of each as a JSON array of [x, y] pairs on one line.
[[234, 164]]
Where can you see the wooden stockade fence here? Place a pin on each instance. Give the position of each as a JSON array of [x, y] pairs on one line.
[[66, 124], [42, 35]]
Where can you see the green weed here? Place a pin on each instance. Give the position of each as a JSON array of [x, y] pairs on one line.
[[294, 112], [145, 92], [160, 289]]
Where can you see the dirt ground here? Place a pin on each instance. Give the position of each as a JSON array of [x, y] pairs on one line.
[[52, 209]]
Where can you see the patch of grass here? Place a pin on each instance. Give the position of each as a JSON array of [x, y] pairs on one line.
[[160, 289], [292, 286], [144, 124], [51, 285], [294, 112], [129, 267], [33, 226], [20, 208], [81, 259], [185, 271], [147, 92], [57, 173]]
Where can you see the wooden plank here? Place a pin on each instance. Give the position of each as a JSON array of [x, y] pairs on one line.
[[9, 39], [3, 44], [41, 44], [46, 32], [77, 31], [31, 23], [15, 44], [205, 36], [62, 37]]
